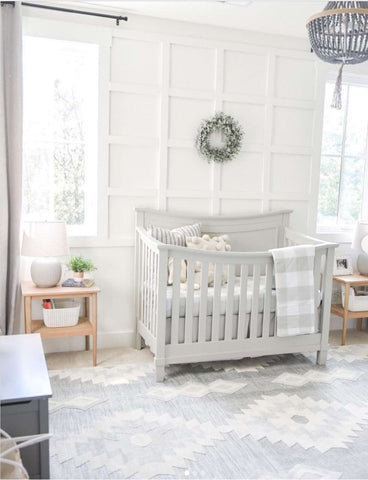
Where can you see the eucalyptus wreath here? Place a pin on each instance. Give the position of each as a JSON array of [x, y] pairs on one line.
[[232, 132]]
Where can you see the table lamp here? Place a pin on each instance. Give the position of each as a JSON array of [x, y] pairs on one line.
[[360, 243], [45, 240]]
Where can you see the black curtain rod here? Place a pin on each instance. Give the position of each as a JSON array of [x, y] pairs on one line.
[[117, 18]]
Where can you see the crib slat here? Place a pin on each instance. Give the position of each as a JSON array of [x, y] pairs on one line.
[[317, 286], [216, 303], [140, 273], [152, 282], [267, 301], [189, 303], [155, 292], [203, 305], [317, 276], [229, 302], [175, 301], [242, 326], [255, 297], [150, 289], [145, 287]]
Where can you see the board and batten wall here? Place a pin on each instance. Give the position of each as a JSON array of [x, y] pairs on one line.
[[160, 90], [159, 79]]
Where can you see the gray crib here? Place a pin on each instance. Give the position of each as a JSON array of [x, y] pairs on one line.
[[222, 322]]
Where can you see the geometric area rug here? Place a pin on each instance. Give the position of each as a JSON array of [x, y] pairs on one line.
[[269, 417]]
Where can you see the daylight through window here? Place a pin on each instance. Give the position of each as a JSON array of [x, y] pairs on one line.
[[343, 187], [60, 132]]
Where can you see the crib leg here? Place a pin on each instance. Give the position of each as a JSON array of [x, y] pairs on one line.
[[322, 356], [139, 342], [160, 370]]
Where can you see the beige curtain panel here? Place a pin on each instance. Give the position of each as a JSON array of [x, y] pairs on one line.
[[10, 165]]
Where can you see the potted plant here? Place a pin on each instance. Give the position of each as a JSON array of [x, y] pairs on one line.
[[79, 265]]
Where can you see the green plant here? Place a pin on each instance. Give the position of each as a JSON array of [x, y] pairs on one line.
[[80, 264]]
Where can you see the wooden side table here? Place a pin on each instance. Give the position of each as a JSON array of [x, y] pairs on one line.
[[349, 281], [86, 325]]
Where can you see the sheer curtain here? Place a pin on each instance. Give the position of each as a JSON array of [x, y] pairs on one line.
[[10, 164]]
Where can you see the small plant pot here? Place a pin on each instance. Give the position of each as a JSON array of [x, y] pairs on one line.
[[78, 276]]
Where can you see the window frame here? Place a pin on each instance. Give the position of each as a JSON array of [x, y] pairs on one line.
[[343, 233], [60, 30]]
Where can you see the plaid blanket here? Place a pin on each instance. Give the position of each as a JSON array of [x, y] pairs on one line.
[[294, 279]]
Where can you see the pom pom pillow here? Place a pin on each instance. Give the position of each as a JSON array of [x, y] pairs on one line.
[[216, 244]]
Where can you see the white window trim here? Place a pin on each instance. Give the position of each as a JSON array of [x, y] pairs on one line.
[[337, 233], [44, 27]]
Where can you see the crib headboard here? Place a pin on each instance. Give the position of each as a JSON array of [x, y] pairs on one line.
[[252, 232]]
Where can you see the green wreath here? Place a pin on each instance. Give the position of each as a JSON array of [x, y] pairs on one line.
[[232, 131]]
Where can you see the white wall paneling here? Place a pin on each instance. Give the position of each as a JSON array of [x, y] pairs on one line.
[[271, 92], [192, 67], [245, 72], [295, 78]]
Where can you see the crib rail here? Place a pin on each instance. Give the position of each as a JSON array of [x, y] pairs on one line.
[[214, 319]]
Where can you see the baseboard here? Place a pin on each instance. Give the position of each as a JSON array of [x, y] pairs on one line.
[[116, 339]]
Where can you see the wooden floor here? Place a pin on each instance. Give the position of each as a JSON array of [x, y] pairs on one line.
[[105, 357], [114, 356]]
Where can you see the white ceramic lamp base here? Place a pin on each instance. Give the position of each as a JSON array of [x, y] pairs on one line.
[[362, 263], [46, 272]]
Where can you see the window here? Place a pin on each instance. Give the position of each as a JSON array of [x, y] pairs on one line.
[[60, 132], [343, 191]]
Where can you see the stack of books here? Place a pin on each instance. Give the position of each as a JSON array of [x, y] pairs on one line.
[[70, 282]]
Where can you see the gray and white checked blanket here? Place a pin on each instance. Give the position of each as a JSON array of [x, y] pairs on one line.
[[294, 279]]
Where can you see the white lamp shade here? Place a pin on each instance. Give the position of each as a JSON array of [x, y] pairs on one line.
[[45, 239], [360, 232]]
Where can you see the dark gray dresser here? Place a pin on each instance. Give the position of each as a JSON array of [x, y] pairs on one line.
[[24, 395]]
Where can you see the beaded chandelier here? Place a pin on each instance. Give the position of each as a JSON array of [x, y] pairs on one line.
[[339, 34]]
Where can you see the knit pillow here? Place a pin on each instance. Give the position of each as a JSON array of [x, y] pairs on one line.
[[177, 236], [217, 244]]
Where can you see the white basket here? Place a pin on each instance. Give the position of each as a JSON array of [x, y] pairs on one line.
[[66, 314], [357, 303]]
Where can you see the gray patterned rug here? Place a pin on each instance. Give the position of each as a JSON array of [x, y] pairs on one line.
[[271, 417]]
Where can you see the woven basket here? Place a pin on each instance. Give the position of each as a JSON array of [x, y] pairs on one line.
[[67, 316]]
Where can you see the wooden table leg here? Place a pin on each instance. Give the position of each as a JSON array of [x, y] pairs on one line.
[[86, 314], [360, 323], [346, 309], [94, 327], [27, 313]]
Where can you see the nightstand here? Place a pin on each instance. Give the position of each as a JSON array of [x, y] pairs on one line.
[[86, 325], [349, 281]]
